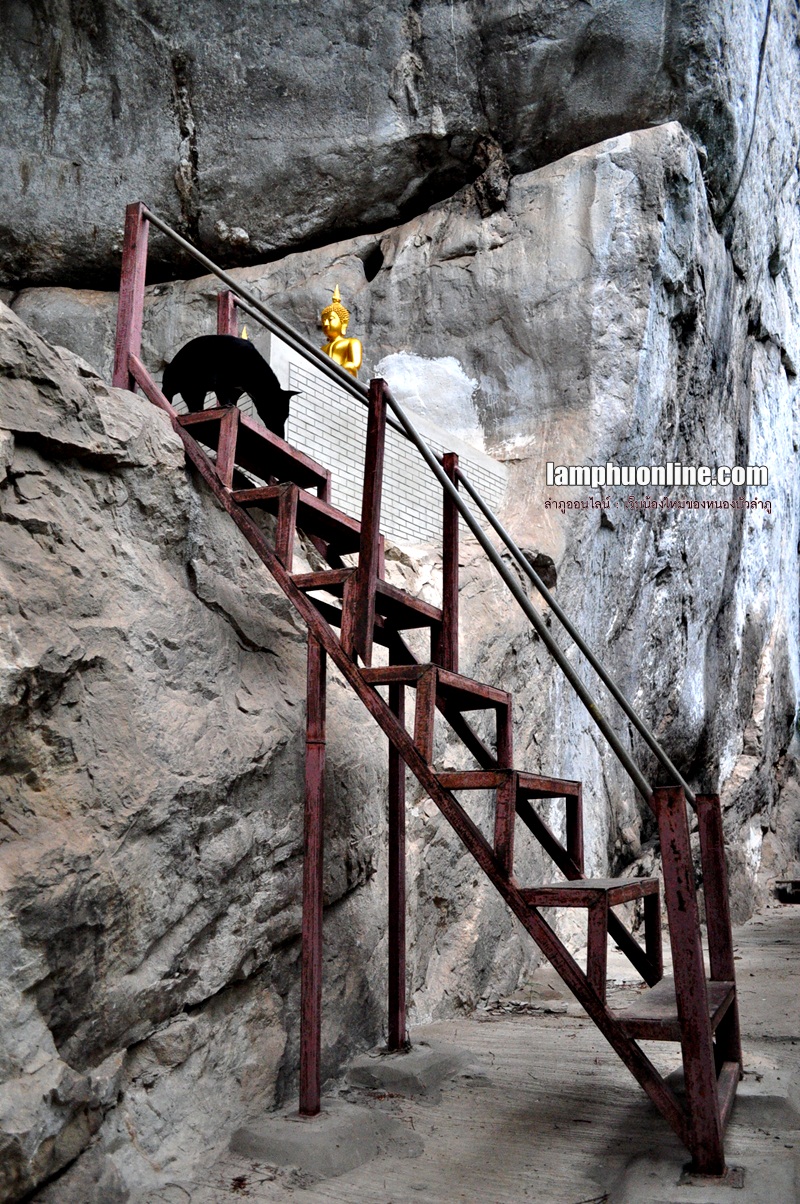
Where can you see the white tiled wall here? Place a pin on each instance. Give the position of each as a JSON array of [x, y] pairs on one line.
[[330, 425]]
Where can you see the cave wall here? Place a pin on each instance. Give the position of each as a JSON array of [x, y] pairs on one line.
[[259, 128], [621, 284]]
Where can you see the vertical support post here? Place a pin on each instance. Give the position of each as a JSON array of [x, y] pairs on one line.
[[227, 321], [311, 973], [446, 654], [697, 1047], [130, 306], [398, 1038], [286, 524], [226, 448], [324, 549], [652, 933], [718, 919], [358, 621], [597, 944], [505, 806], [574, 825], [425, 714]]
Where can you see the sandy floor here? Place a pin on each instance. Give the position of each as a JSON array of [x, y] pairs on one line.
[[545, 1112]]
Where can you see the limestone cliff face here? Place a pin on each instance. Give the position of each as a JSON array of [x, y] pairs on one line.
[[258, 128], [644, 352], [151, 850], [603, 319], [635, 300]]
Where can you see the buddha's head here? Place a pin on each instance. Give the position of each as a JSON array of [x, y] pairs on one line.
[[334, 317]]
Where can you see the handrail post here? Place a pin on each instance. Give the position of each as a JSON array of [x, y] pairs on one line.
[[311, 971], [358, 621], [445, 652], [691, 992], [718, 919], [226, 447], [130, 307], [398, 1036], [227, 320]]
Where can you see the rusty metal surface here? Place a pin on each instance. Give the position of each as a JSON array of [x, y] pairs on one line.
[[700, 1073], [398, 1035], [130, 308], [311, 971]]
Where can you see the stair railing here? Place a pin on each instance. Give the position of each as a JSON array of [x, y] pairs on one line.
[[400, 421]]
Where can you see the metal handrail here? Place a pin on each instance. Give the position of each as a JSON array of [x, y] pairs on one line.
[[401, 423], [530, 572], [272, 321]]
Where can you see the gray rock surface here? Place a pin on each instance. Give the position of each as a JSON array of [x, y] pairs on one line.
[[604, 319], [150, 860], [265, 128], [634, 301]]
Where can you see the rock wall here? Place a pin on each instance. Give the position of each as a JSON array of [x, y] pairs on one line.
[[261, 128], [645, 353], [152, 686], [635, 300]]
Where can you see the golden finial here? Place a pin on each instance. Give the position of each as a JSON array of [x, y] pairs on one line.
[[337, 296], [244, 334]]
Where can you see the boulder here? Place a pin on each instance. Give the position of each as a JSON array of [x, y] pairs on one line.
[[259, 130]]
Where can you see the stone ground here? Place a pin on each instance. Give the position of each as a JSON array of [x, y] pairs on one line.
[[526, 1102]]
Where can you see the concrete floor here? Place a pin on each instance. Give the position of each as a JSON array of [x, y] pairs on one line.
[[527, 1103]]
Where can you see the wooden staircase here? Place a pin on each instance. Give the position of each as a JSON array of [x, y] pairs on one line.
[[350, 609]]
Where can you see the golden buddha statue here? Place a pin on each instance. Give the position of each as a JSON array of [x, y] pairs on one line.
[[333, 320]]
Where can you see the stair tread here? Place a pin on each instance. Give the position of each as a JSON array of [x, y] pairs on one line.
[[578, 891], [258, 450], [654, 1016], [332, 580], [314, 516], [534, 785], [464, 691], [390, 602], [528, 785], [598, 884], [388, 599], [474, 779]]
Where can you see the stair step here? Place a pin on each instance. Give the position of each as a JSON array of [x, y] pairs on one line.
[[403, 610], [583, 892], [463, 692], [330, 580], [528, 785], [475, 779], [533, 785], [400, 609], [314, 516], [258, 450], [654, 1017]]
